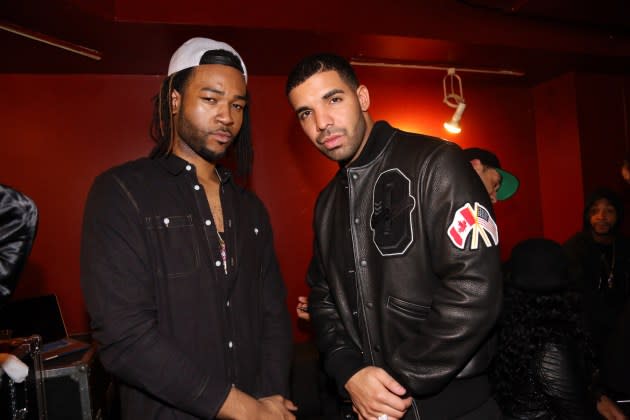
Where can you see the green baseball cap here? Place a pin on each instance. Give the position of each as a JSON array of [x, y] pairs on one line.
[[509, 183]]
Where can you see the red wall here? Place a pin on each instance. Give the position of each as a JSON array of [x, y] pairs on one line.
[[69, 128], [559, 157], [602, 109]]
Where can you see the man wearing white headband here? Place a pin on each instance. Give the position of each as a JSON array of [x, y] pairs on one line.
[[178, 267]]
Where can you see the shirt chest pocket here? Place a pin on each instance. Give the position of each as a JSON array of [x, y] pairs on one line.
[[176, 244]]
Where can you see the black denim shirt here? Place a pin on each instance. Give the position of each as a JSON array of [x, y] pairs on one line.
[[171, 324]]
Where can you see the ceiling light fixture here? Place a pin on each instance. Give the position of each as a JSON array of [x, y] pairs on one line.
[[453, 97]]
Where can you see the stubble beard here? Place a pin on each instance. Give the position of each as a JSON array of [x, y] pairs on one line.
[[195, 139], [345, 154]]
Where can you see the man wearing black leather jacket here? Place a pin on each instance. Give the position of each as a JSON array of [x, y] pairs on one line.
[[405, 274]]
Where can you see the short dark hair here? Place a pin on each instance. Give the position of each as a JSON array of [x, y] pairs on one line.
[[318, 63], [162, 121]]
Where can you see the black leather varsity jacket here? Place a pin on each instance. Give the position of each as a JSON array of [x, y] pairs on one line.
[[426, 259]]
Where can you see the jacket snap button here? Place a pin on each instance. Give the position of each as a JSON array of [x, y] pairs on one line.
[[363, 263]]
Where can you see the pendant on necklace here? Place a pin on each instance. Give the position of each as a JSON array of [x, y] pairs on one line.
[[223, 252]]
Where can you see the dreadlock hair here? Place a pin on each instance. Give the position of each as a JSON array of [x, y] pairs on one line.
[[318, 63], [162, 126]]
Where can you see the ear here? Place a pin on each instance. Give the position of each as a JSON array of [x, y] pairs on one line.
[[175, 101], [477, 165], [364, 97]]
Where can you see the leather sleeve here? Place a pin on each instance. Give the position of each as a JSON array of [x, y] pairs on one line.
[[559, 371], [18, 226], [466, 301]]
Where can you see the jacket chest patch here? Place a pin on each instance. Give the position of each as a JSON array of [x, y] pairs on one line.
[[392, 206], [475, 221]]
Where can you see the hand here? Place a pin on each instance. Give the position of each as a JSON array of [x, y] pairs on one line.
[[374, 393], [241, 406], [275, 407], [302, 308], [609, 410], [16, 369]]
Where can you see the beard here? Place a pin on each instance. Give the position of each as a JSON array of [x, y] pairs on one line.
[[195, 138], [350, 150], [602, 229]]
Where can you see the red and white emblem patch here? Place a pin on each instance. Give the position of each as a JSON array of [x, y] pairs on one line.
[[475, 220]]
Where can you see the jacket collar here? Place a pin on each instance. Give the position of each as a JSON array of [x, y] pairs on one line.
[[175, 165], [378, 138]]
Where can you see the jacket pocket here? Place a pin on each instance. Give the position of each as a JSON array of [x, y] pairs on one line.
[[177, 244], [407, 309], [403, 320]]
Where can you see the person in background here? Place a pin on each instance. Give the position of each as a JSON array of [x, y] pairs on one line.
[[405, 273], [540, 370], [178, 267], [499, 183], [599, 258]]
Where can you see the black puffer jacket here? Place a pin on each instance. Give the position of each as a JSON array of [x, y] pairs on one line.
[[543, 364], [555, 386]]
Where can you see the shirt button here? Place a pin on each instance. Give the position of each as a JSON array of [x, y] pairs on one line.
[[167, 221], [217, 263], [377, 348], [188, 167], [230, 345], [196, 187], [356, 221], [208, 222], [370, 305], [227, 303], [363, 263], [355, 176]]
